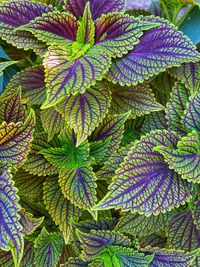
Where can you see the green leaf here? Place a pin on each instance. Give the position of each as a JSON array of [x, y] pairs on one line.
[[186, 158], [61, 210], [48, 248], [4, 65]]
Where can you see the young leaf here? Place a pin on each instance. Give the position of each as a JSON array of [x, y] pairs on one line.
[[48, 248], [17, 13], [52, 122], [79, 186], [168, 47], [192, 114], [141, 225], [12, 110], [189, 74], [186, 158], [175, 108], [84, 111], [98, 7], [11, 237], [111, 126], [65, 77], [95, 241], [182, 232], [144, 183], [32, 85], [139, 99], [28, 223], [61, 210], [36, 163], [15, 140], [99, 149], [169, 258], [53, 28]]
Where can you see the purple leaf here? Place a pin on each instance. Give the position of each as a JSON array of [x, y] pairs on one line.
[[31, 82], [111, 126], [61, 210], [191, 117], [185, 160], [15, 140], [139, 99], [79, 186], [12, 110], [53, 28], [98, 7], [11, 237], [28, 223], [36, 163], [168, 48], [95, 241], [153, 240], [85, 111], [64, 77], [144, 183], [175, 108], [182, 232], [17, 13]]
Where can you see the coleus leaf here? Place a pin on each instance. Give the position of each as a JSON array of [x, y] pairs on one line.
[[141, 225], [4, 65], [98, 150], [196, 214], [111, 126], [11, 237], [36, 163], [144, 177], [48, 248], [168, 258], [61, 210], [182, 232], [52, 122], [85, 111], [189, 74], [119, 256], [154, 121], [139, 99], [185, 159], [118, 33], [28, 223], [6, 259], [166, 47], [153, 240], [31, 82], [191, 117], [15, 140], [53, 27], [95, 241], [101, 224], [75, 262], [17, 13], [98, 7], [175, 108], [65, 77], [12, 109], [79, 186]]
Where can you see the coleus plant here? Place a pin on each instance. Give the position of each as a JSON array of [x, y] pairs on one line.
[[99, 136]]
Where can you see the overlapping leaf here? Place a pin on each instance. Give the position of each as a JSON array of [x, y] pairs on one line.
[[153, 240], [101, 224], [17, 13], [144, 182], [11, 237], [139, 99], [52, 122], [5, 64], [61, 210], [192, 114], [168, 48], [65, 77], [28, 223], [182, 232], [95, 241], [154, 121], [186, 158], [48, 247], [98, 7], [84, 111], [175, 108], [15, 140]]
